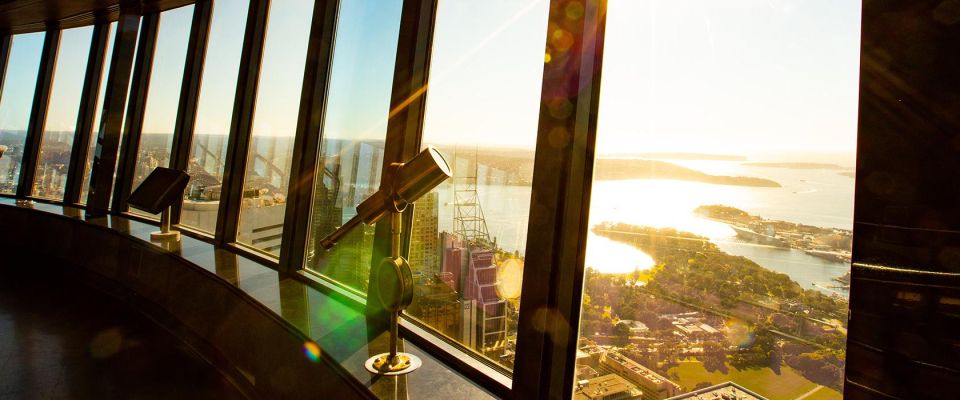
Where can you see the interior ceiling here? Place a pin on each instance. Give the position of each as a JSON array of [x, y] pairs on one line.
[[21, 16]]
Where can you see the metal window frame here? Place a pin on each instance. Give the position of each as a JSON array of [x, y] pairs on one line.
[[309, 135], [548, 329], [241, 124], [190, 91], [38, 112], [139, 87], [6, 40], [87, 112], [112, 112]]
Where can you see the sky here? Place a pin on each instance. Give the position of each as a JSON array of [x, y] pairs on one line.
[[365, 51], [166, 75], [20, 81], [281, 72], [737, 76], [68, 79], [219, 85]]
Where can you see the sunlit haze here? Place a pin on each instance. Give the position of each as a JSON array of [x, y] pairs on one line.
[[740, 77]]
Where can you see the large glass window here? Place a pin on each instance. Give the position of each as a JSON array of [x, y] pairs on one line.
[[16, 101], [98, 113], [64, 107], [469, 235], [722, 202], [214, 112], [274, 125], [351, 155], [163, 93]]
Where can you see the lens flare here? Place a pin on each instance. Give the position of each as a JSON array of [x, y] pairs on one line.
[[739, 334], [312, 351]]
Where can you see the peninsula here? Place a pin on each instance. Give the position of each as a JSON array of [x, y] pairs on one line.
[[827, 243], [619, 169], [795, 165]]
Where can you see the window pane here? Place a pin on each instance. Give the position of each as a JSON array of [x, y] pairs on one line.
[[163, 93], [351, 155], [722, 200], [57, 141], [214, 112], [469, 235], [274, 125], [98, 111], [19, 84]]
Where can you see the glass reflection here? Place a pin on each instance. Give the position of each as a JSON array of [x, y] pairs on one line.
[[214, 112], [351, 154], [274, 125], [468, 236], [16, 100], [62, 111]]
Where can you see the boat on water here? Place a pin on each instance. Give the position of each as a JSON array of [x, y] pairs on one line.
[[838, 256], [756, 237]]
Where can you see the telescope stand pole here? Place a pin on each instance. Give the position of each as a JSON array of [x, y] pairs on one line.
[[165, 234], [394, 362], [165, 221], [396, 225]]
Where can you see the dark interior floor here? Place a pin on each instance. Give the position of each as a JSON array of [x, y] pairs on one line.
[[64, 340]]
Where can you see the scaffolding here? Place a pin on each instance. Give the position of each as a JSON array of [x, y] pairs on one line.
[[468, 221], [485, 325]]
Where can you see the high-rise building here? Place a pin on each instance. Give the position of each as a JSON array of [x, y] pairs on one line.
[[425, 236]]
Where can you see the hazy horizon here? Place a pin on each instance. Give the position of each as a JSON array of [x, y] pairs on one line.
[[758, 78]]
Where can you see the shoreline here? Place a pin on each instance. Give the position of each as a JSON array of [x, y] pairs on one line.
[[731, 246]]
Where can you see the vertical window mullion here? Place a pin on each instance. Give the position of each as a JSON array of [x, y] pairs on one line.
[[405, 123], [135, 110], [560, 203], [112, 114], [190, 91], [238, 144], [309, 134], [5, 41], [88, 109], [38, 113]]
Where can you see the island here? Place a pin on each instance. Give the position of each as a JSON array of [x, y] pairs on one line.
[[620, 169], [848, 174], [828, 243]]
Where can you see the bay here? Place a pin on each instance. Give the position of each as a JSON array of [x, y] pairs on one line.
[[815, 197]]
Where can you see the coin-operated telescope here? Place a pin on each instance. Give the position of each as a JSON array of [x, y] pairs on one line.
[[402, 184]]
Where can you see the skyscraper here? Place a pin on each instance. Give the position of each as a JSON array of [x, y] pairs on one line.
[[425, 236]]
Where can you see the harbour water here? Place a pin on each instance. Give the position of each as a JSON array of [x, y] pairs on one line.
[[815, 197]]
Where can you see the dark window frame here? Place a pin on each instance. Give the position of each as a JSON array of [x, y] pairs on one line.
[[87, 113]]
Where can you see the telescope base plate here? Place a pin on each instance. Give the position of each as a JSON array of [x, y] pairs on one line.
[[160, 236], [403, 363]]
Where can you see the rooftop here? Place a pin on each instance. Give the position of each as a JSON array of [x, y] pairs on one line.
[[607, 386], [723, 391]]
